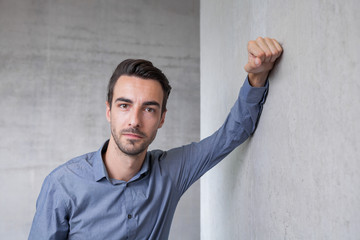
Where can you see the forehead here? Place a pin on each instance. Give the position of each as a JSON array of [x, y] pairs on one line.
[[136, 88]]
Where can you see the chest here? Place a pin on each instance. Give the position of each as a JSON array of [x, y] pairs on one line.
[[132, 210]]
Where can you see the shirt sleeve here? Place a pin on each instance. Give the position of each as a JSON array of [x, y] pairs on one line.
[[50, 220], [188, 163]]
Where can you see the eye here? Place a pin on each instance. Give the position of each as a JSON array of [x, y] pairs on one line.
[[123, 106], [150, 110]]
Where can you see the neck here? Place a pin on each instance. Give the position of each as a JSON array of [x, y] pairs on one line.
[[121, 166]]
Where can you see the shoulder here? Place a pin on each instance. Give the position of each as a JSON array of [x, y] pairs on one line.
[[169, 157], [78, 166]]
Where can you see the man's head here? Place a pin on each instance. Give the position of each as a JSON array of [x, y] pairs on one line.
[[143, 69], [136, 105]]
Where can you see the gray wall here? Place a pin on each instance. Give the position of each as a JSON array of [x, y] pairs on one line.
[[55, 61], [298, 176]]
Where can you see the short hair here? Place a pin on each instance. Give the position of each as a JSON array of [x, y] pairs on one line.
[[143, 69]]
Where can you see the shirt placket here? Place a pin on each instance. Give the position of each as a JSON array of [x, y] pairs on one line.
[[130, 215]]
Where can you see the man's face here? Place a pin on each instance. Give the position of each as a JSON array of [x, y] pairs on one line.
[[135, 114]]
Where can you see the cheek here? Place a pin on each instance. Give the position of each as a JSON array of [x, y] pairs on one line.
[[153, 124], [115, 120]]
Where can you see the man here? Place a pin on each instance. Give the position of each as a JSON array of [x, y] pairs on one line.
[[122, 191]]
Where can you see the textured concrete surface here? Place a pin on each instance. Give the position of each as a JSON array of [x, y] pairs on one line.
[[55, 61], [298, 176]]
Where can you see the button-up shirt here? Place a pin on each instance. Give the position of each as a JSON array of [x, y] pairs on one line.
[[78, 200]]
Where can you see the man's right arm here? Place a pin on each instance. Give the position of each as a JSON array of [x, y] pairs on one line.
[[50, 220]]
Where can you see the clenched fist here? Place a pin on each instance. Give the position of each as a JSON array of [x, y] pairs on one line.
[[262, 54]]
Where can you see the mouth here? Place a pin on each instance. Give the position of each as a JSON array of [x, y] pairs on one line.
[[133, 133]]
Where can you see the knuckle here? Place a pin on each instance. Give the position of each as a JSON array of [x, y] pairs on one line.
[[252, 42]]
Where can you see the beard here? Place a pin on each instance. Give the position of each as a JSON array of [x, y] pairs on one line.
[[132, 147]]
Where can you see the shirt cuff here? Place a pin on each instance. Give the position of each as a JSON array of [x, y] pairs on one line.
[[253, 94]]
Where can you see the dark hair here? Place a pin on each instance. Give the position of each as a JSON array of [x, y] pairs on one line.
[[143, 69]]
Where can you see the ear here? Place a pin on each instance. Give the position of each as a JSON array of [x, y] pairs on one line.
[[162, 120], [108, 112]]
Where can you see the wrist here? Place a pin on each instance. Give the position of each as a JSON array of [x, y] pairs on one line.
[[258, 79]]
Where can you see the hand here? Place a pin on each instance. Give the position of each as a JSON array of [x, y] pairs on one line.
[[262, 55]]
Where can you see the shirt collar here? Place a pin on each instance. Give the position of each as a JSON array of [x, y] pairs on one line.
[[143, 170], [145, 167], [99, 166], [100, 171]]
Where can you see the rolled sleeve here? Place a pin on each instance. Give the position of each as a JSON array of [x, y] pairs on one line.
[[251, 94], [255, 98]]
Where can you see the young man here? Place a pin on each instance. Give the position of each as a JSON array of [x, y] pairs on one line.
[[122, 191]]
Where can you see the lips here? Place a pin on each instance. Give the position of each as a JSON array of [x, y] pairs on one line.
[[133, 133]]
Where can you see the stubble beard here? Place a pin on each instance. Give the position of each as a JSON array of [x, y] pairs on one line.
[[130, 148]]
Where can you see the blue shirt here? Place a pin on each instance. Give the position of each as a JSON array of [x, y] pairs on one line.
[[78, 200]]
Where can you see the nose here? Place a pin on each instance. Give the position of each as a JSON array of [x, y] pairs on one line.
[[135, 118]]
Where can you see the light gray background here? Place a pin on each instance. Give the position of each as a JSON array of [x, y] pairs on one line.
[[298, 176], [56, 58]]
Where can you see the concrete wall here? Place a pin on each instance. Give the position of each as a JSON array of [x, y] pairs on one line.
[[55, 61], [298, 176]]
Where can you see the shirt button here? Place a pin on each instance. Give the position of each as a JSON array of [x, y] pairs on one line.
[[129, 216]]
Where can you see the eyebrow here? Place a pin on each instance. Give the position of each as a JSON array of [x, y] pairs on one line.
[[151, 103], [121, 99], [148, 103]]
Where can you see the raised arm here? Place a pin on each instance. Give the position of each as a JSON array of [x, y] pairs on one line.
[[190, 162]]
